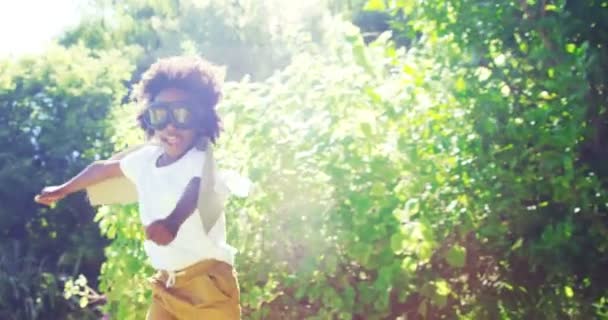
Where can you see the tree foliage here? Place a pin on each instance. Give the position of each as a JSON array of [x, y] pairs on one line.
[[433, 182], [249, 37], [53, 111], [454, 167]]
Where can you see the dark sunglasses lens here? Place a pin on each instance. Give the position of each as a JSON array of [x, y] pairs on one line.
[[182, 115], [157, 116]]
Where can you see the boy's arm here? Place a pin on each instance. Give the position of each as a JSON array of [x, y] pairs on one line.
[[164, 231], [94, 173]]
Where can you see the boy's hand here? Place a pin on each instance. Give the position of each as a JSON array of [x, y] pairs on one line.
[[50, 195], [160, 232]]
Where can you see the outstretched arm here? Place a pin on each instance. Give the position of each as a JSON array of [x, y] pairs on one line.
[[94, 173], [163, 231]]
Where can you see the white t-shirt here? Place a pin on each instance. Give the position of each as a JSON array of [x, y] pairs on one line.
[[159, 190]]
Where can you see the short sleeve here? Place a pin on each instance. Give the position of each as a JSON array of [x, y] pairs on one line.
[[133, 164]]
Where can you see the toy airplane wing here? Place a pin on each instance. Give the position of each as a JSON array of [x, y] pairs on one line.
[[113, 191], [116, 190]]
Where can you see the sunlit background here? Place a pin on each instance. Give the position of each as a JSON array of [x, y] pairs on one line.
[[27, 26], [410, 159]]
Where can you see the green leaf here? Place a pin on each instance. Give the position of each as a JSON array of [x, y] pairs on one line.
[[440, 300], [570, 47], [423, 309], [460, 84], [456, 256], [83, 302], [517, 244], [375, 5], [442, 288], [550, 7], [397, 242], [568, 292], [366, 128], [360, 55]]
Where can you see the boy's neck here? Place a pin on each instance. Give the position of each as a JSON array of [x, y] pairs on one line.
[[166, 159]]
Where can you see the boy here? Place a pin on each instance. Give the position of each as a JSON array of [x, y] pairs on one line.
[[195, 278]]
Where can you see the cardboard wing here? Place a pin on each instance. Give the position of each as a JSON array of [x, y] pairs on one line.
[[210, 203], [112, 191], [116, 190]]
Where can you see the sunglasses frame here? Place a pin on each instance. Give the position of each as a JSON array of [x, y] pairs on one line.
[[169, 106]]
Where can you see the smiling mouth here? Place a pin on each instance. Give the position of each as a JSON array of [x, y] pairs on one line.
[[171, 140]]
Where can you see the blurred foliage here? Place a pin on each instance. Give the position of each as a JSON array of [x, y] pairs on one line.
[[446, 159], [29, 291], [249, 37], [53, 110], [530, 79]]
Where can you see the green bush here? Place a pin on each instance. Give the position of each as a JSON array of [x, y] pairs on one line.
[[440, 181], [52, 109], [462, 176]]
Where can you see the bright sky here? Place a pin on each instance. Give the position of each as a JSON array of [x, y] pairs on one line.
[[27, 26]]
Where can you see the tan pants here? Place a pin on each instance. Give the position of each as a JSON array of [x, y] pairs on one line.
[[207, 290]]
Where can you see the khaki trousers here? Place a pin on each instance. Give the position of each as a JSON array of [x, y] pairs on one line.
[[207, 290]]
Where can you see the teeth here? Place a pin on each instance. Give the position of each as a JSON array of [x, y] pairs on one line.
[[172, 139]]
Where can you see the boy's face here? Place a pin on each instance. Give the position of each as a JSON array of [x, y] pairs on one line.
[[175, 141]]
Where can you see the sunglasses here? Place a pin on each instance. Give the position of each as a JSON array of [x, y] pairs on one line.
[[181, 114]]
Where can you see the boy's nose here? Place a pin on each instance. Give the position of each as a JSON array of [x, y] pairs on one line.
[[170, 128]]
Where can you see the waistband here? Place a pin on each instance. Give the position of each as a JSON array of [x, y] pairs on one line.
[[180, 277]]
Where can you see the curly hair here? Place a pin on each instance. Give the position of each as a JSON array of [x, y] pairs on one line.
[[194, 75]]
